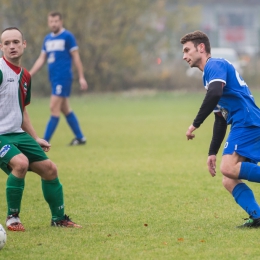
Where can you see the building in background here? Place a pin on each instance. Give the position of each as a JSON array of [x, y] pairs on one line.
[[232, 24]]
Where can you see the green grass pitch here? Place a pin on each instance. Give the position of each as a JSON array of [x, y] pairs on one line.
[[139, 188]]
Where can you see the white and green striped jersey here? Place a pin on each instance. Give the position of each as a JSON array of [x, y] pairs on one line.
[[15, 94]]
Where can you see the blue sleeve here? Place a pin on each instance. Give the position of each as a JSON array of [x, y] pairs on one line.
[[216, 70], [71, 42]]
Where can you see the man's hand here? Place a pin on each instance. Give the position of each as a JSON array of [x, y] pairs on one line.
[[189, 133], [44, 144], [83, 84], [211, 162]]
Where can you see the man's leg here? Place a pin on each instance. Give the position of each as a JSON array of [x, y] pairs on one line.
[[249, 171], [235, 167], [237, 151], [14, 191], [51, 127], [243, 195], [55, 107], [52, 192], [51, 187], [73, 123]]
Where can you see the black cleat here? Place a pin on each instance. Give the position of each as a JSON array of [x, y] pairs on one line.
[[251, 223], [66, 222], [77, 141]]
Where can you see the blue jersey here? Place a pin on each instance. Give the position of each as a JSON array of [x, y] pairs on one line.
[[237, 104], [58, 49]]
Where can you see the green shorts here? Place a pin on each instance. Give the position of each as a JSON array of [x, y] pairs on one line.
[[16, 143]]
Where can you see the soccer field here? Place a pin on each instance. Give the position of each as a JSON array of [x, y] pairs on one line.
[[139, 188]]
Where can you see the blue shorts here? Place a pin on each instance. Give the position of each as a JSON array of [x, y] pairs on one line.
[[245, 142], [61, 88]]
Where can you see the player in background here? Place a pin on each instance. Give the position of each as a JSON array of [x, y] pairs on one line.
[[233, 104], [20, 147], [60, 49]]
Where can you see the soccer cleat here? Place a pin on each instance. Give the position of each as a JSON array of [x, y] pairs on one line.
[[250, 223], [77, 141], [13, 223], [66, 222]]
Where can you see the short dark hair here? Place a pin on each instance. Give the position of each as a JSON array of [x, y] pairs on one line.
[[12, 28], [197, 37], [55, 13]]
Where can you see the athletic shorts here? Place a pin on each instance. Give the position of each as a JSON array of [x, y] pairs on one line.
[[16, 143], [245, 142], [61, 88]]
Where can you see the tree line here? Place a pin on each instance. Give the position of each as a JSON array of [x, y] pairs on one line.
[[123, 44]]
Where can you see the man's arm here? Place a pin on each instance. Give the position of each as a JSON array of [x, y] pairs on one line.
[[219, 132], [28, 128], [213, 95], [38, 63], [210, 101], [77, 61]]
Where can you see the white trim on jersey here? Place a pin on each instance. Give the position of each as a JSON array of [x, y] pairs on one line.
[[214, 80], [74, 48], [59, 33]]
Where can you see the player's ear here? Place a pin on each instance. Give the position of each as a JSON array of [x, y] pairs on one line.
[[24, 43], [201, 47]]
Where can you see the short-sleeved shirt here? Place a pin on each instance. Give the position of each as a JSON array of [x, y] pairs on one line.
[[58, 48], [15, 94], [237, 104]]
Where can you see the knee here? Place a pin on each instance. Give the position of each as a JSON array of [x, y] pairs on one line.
[[22, 166], [230, 165], [230, 184], [228, 170], [51, 171], [53, 109], [46, 169], [65, 110], [226, 182], [19, 165]]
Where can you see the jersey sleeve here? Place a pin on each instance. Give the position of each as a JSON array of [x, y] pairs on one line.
[[28, 96], [216, 70], [27, 79], [71, 42], [1, 77]]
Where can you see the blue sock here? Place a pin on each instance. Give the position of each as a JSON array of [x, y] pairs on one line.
[[250, 172], [74, 125], [50, 128], [244, 197]]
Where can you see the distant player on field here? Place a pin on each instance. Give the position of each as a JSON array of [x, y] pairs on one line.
[[233, 104], [60, 49], [20, 147]]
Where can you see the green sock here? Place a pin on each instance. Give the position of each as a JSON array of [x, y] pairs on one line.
[[14, 194], [52, 192]]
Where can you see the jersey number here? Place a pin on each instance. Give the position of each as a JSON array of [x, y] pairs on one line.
[[240, 80]]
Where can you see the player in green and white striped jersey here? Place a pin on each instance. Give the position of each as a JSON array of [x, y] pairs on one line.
[[20, 147]]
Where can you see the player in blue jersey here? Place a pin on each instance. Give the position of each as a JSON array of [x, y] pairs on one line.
[[233, 104], [60, 49]]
